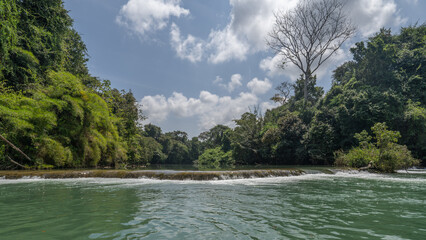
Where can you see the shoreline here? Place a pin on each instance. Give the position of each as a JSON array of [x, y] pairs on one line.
[[169, 174], [154, 174]]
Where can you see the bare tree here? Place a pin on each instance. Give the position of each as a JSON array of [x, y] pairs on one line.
[[284, 91], [310, 34]]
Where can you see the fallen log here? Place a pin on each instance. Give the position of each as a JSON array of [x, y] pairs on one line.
[[22, 166], [369, 166], [14, 147]]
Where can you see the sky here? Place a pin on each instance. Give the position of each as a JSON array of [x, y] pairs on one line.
[[193, 64]]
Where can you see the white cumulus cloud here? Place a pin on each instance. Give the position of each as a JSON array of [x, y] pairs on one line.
[[143, 16], [248, 27], [268, 105], [157, 106], [225, 45], [272, 65], [190, 48], [259, 87], [234, 83], [371, 15], [218, 80], [250, 22], [210, 109]]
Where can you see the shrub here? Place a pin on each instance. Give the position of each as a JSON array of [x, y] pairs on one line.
[[357, 157], [215, 158], [384, 154], [51, 152]]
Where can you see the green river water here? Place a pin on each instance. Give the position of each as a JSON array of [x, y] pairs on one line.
[[311, 206]]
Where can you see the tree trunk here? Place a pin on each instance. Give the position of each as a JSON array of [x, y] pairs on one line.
[[22, 166], [14, 147], [305, 89], [305, 85]]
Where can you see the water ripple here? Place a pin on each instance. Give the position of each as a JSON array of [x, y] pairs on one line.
[[312, 206]]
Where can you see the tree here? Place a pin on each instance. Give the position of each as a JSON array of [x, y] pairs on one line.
[[177, 153], [143, 151], [313, 93], [214, 137], [284, 91], [383, 83], [44, 26], [414, 129], [179, 136], [195, 148], [153, 131], [377, 60], [310, 34], [247, 139], [289, 148], [76, 54], [320, 140]]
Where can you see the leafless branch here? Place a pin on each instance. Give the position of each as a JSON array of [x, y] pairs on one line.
[[310, 34], [284, 91]]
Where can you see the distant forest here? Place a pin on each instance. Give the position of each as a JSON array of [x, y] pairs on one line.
[[61, 116]]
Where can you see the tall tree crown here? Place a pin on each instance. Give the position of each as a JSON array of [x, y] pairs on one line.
[[310, 34]]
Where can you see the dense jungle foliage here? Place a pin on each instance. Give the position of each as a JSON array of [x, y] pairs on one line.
[[50, 106], [60, 116]]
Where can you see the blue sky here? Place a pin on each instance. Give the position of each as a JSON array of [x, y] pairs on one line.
[[193, 64]]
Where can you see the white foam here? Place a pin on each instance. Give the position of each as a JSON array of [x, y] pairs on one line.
[[227, 181], [269, 180], [396, 177], [413, 171]]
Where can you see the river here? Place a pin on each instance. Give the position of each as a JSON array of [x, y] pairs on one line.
[[310, 206]]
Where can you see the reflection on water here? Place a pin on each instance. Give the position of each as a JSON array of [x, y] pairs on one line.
[[313, 206]]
